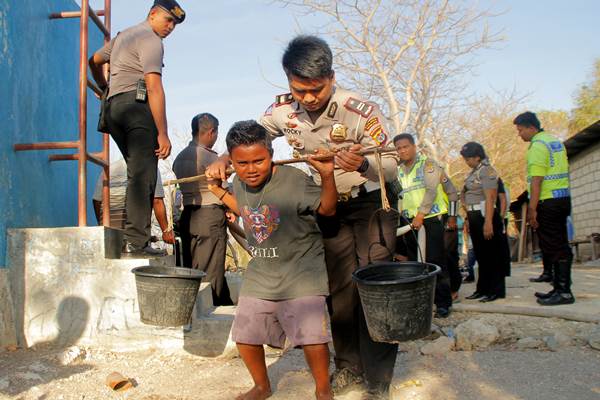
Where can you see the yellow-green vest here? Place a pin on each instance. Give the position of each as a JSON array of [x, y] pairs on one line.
[[413, 191], [556, 181]]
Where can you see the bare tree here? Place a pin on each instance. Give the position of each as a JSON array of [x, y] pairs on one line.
[[410, 56]]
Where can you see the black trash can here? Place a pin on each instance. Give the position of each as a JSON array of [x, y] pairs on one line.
[[166, 295], [397, 299]]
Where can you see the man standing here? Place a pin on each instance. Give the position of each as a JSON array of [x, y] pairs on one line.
[[549, 204], [135, 113], [424, 203], [118, 213], [203, 224], [318, 115]]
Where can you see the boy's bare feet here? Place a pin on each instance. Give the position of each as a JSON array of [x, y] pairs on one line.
[[256, 393], [324, 396]]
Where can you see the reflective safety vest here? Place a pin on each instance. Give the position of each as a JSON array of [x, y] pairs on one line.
[[556, 179], [413, 191]]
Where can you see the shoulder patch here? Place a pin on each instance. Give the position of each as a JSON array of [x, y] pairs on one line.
[[282, 99], [371, 123], [378, 135], [359, 107]]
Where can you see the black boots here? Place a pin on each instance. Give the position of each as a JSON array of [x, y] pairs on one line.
[[546, 275], [562, 286]]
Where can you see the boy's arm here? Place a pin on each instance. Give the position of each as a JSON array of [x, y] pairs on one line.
[[226, 197], [328, 202]]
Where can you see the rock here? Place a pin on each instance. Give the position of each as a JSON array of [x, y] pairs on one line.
[[530, 343], [594, 338], [38, 367], [441, 345], [557, 341], [4, 384], [72, 355], [475, 334], [28, 376]]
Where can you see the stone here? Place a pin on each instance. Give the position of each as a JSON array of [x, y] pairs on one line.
[[28, 376], [594, 338], [4, 384], [475, 334], [72, 355], [441, 345], [529, 343], [557, 341]]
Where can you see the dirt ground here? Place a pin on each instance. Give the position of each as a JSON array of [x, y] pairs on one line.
[[500, 372]]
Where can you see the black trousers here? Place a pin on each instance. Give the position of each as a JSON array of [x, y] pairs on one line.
[[452, 256], [132, 127], [435, 253], [356, 236], [491, 255], [552, 230], [204, 242]]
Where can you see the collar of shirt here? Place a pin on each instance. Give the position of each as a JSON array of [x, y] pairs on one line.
[[406, 170], [193, 143]]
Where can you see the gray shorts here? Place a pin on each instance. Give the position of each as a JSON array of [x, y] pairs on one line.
[[303, 321]]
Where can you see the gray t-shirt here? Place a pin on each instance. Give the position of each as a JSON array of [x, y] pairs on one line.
[[132, 53], [279, 219]]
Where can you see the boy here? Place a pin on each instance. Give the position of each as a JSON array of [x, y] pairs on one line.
[[285, 286]]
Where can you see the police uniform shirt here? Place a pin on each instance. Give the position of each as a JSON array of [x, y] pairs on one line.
[[483, 177], [132, 53], [432, 177], [347, 120], [193, 161], [448, 186]]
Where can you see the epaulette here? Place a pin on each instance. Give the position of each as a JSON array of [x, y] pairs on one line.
[[361, 108], [282, 99]]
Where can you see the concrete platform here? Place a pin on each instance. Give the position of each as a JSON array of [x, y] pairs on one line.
[[67, 287], [520, 297]]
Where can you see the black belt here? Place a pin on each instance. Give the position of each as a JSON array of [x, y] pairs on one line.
[[209, 206]]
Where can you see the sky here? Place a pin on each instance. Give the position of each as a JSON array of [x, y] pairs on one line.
[[225, 58]]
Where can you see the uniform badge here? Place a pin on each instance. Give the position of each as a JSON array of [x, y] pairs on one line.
[[296, 154], [371, 123], [178, 12], [429, 167], [360, 107], [332, 110], [378, 135], [339, 133], [292, 115], [291, 125]]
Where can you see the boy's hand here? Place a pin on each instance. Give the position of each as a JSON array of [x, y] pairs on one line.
[[326, 167], [217, 170]]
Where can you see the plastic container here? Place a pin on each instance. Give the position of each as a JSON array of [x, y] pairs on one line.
[[397, 299], [167, 295]]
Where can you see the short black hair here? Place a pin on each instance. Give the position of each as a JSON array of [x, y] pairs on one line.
[[247, 133], [528, 119], [308, 57], [203, 122], [404, 136], [473, 149]]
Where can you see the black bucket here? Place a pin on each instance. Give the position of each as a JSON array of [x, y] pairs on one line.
[[397, 299], [167, 294]]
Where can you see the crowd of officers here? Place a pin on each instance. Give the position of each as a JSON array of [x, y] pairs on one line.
[[317, 114]]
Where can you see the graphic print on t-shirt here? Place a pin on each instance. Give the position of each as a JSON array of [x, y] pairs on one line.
[[262, 222]]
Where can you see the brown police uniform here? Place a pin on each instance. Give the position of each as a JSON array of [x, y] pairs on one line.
[[202, 225], [349, 243]]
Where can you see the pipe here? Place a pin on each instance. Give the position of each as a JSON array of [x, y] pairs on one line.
[[105, 137], [72, 14], [46, 146], [82, 164]]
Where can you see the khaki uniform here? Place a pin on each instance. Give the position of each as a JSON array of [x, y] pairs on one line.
[[356, 235], [203, 227]]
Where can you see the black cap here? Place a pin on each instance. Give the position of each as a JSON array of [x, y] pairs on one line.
[[172, 7]]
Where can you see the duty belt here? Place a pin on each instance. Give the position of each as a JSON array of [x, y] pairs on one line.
[[357, 191]]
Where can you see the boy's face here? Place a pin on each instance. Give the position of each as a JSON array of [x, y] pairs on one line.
[[252, 164]]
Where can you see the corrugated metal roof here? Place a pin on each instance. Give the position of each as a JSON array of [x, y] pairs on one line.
[[582, 140]]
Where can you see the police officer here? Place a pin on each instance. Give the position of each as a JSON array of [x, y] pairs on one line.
[[319, 115], [135, 113], [424, 203], [549, 204], [478, 198], [203, 225]]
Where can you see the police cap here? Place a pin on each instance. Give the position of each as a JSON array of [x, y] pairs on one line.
[[172, 7]]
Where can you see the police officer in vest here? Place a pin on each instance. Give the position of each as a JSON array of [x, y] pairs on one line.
[[319, 115], [424, 203], [549, 204], [135, 113]]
